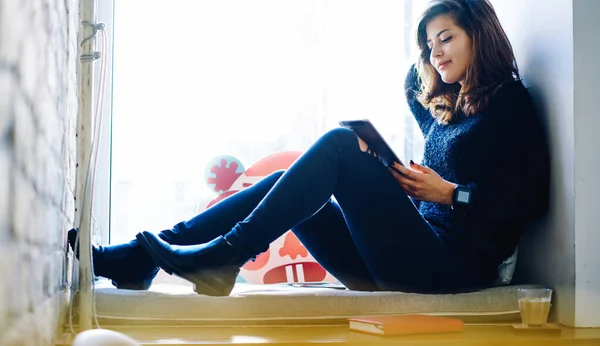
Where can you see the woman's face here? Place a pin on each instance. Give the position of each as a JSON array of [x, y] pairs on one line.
[[450, 49]]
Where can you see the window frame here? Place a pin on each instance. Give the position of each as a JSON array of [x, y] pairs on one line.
[[102, 184]]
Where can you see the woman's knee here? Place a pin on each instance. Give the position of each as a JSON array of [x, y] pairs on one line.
[[329, 216], [276, 174], [345, 137]]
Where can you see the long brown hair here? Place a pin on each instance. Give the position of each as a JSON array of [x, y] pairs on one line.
[[493, 62]]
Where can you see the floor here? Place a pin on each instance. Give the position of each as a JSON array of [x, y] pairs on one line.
[[488, 335]]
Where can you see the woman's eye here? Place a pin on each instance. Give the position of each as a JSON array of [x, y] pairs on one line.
[[447, 39]]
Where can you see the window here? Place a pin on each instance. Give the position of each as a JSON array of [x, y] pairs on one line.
[[196, 79]]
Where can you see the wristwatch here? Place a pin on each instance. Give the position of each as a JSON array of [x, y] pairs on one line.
[[462, 196]]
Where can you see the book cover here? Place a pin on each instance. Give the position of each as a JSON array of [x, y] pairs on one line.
[[405, 324]]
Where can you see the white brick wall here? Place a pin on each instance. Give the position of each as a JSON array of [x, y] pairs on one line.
[[38, 111]]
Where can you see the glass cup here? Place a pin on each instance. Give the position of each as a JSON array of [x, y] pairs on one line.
[[534, 305]]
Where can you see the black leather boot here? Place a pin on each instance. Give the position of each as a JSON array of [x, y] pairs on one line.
[[127, 265], [212, 267]]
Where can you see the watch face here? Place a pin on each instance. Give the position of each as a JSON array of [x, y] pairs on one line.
[[463, 196]]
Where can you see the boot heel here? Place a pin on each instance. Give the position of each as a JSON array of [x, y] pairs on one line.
[[216, 283], [139, 285], [212, 267]]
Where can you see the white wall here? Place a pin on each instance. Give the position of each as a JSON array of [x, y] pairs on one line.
[[542, 38], [586, 30], [554, 51], [38, 111]]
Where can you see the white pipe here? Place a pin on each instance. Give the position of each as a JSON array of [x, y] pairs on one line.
[[84, 139]]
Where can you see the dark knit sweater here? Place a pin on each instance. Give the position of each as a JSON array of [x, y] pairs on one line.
[[502, 154]]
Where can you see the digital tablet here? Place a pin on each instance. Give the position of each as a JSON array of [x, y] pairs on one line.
[[368, 133]]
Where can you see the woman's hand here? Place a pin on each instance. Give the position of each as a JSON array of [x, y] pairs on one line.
[[423, 183]]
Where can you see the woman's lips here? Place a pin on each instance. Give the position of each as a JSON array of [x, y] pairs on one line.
[[443, 64]]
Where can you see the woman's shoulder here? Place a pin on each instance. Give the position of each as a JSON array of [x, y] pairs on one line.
[[511, 94], [510, 103], [511, 112]]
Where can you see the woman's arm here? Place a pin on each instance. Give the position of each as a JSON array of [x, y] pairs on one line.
[[411, 90], [506, 165]]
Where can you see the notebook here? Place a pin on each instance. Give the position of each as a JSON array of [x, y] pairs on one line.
[[405, 324]]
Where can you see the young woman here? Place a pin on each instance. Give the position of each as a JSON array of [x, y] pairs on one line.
[[441, 226]]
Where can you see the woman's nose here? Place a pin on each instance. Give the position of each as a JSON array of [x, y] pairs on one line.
[[436, 51]]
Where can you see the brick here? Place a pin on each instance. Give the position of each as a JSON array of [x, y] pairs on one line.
[[5, 194], [53, 273], [34, 229], [54, 178], [52, 65], [6, 96], [52, 226], [24, 197], [18, 294], [21, 332], [70, 156], [68, 208], [57, 14], [5, 272], [48, 276], [11, 22], [35, 277], [60, 265], [44, 111], [35, 233], [42, 178], [13, 337], [47, 312], [25, 135], [54, 131], [29, 62], [56, 228], [47, 175]]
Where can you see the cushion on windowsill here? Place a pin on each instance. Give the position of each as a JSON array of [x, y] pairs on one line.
[[251, 304]]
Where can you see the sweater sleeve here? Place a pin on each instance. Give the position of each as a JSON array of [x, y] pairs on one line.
[[509, 172], [411, 89]]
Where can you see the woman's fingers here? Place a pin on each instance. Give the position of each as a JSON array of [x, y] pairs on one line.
[[408, 190], [406, 172], [417, 167], [406, 183]]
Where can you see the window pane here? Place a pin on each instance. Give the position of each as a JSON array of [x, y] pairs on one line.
[[196, 79]]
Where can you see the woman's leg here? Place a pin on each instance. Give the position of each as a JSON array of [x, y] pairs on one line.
[[398, 246], [130, 267], [220, 217], [327, 238], [325, 234]]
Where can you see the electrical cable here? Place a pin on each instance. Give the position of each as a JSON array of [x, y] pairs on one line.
[[92, 159]]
